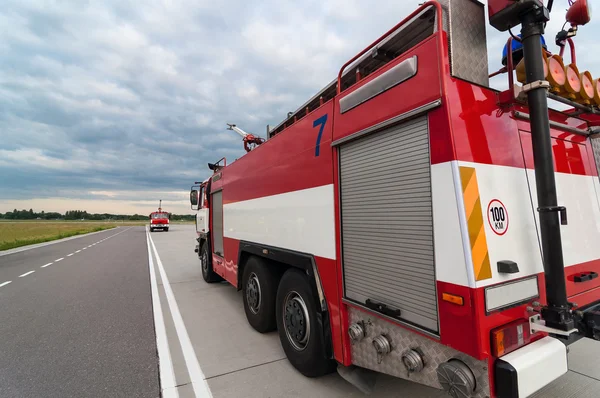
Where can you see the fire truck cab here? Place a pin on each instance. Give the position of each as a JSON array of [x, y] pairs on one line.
[[410, 220], [199, 202], [159, 219]]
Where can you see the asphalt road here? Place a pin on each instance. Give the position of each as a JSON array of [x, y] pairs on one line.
[[81, 326]]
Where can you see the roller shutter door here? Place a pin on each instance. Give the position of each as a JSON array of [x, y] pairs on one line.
[[217, 221], [387, 221]]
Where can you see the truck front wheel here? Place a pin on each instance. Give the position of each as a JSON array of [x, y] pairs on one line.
[[208, 274], [299, 332]]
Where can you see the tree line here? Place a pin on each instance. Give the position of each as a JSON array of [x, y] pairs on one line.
[[83, 215]]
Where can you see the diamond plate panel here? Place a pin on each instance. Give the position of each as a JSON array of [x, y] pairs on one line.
[[364, 355], [467, 39]]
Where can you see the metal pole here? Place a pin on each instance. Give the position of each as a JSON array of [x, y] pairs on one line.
[[557, 313]]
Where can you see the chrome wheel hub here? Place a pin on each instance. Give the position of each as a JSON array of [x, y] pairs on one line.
[[296, 321]]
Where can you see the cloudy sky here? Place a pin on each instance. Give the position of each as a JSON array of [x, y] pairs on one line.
[[108, 106]]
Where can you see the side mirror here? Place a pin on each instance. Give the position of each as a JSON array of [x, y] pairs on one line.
[[194, 197]]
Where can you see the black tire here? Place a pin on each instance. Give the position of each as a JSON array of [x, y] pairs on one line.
[[208, 274], [304, 347], [151, 229], [166, 229], [259, 290]]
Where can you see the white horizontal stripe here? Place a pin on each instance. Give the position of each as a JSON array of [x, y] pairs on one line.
[[26, 273], [300, 220], [5, 283], [45, 265]]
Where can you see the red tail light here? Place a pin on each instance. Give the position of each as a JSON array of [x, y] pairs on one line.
[[509, 337]]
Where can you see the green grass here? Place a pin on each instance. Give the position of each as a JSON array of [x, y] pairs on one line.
[[22, 233], [17, 233]]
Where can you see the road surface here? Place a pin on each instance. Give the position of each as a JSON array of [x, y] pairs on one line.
[[76, 319], [96, 322]]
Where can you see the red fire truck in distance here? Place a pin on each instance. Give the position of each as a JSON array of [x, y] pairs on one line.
[[159, 219], [410, 220]]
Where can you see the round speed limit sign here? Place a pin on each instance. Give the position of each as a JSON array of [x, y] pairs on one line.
[[497, 217]]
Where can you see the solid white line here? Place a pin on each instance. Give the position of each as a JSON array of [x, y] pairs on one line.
[[167, 374], [60, 259], [5, 283], [197, 378], [69, 255], [44, 266], [77, 251], [26, 273]]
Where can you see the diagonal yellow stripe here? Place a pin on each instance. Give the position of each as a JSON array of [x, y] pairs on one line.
[[485, 272], [478, 241], [471, 196], [479, 251]]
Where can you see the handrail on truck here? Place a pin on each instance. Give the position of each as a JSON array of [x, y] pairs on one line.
[[440, 28]]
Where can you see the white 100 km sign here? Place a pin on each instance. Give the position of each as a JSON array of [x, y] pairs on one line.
[[497, 217]]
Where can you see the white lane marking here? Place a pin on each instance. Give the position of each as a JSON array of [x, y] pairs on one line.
[[44, 266], [199, 383], [167, 374], [77, 251], [26, 273], [84, 248], [5, 283], [69, 255], [60, 259]]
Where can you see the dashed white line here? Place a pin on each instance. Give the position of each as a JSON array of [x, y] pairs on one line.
[[44, 266], [84, 248], [26, 273], [77, 251], [5, 283], [69, 255], [59, 259]]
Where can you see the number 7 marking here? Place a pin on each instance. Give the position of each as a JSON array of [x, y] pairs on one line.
[[320, 121]]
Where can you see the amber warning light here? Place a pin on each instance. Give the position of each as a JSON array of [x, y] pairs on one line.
[[579, 13]]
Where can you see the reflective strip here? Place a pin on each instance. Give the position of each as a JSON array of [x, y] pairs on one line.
[[479, 249]]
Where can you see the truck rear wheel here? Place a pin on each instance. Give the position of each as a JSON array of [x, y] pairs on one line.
[[208, 274], [299, 332], [259, 290]]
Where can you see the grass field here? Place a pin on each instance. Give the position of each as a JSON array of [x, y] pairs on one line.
[[21, 233]]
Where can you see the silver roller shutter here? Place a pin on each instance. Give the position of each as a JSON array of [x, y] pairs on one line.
[[387, 221], [217, 227]]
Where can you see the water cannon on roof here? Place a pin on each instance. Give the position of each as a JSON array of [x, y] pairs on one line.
[[250, 141]]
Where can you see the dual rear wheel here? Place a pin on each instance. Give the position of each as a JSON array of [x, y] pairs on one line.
[[286, 303]]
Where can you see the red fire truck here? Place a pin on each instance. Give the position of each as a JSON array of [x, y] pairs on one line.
[[159, 219], [410, 220]]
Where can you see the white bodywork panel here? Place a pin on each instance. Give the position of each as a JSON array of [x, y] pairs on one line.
[[452, 258], [300, 220], [520, 242], [202, 221], [537, 364]]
